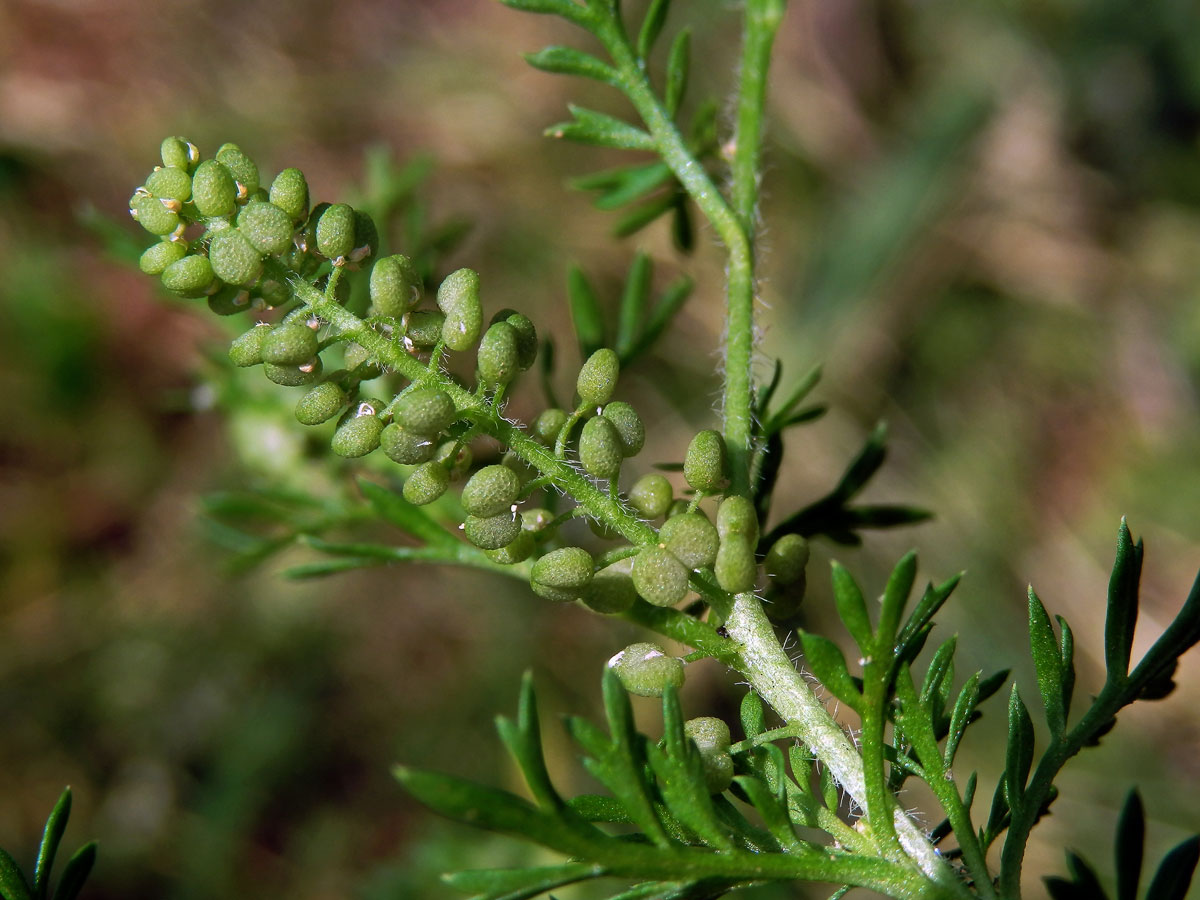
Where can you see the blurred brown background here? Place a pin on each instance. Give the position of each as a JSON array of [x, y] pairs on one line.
[[983, 218]]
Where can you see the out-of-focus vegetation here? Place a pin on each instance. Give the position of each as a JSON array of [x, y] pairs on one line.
[[983, 218]]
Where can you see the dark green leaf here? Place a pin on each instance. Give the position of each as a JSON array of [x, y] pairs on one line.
[[622, 768], [585, 312], [326, 567], [808, 414], [678, 65], [753, 715], [664, 312], [683, 233], [569, 61], [641, 216], [829, 789], [639, 181], [1018, 756], [1175, 872], [895, 597], [568, 9], [912, 635], [1065, 889], [827, 663], [591, 127], [56, 824], [864, 465], [764, 394], [652, 26], [852, 609], [12, 883], [1130, 844], [410, 519], [810, 380], [635, 301], [774, 813], [599, 808], [1084, 875], [1122, 611], [76, 872], [939, 676], [521, 884], [1066, 655], [524, 741], [1047, 659], [968, 699], [990, 685]]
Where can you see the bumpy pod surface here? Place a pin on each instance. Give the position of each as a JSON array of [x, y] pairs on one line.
[[425, 410], [458, 299], [290, 344], [359, 435], [527, 341], [241, 167], [234, 259], [294, 376], [646, 670], [610, 591], [692, 539], [518, 551], [548, 424], [786, 559], [427, 482], [598, 377], [600, 448], [395, 286], [366, 237], [711, 737], [228, 300], [497, 358], [335, 231], [179, 152], [267, 227], [170, 183], [246, 349], [735, 567], [358, 360], [155, 259], [405, 447], [562, 575], [455, 457], [491, 491], [289, 191], [629, 426], [736, 515], [320, 404], [659, 577], [191, 276], [493, 532], [153, 215], [704, 464], [784, 600], [213, 189], [651, 495], [425, 327]]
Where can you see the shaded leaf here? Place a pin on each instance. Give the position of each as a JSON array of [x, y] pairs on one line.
[[664, 312], [521, 884], [1018, 756], [585, 312], [56, 824], [1174, 874], [678, 65], [852, 609], [827, 663], [968, 699], [652, 25], [1122, 610], [1129, 846], [568, 9], [410, 519], [76, 872], [12, 882], [569, 61], [634, 303], [895, 597], [1047, 660]]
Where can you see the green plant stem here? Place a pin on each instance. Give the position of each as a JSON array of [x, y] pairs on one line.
[[763, 18], [880, 802]]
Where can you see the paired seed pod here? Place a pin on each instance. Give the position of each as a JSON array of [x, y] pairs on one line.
[[600, 448], [692, 539], [548, 424], [562, 575], [294, 376], [320, 404], [395, 286], [498, 357], [736, 515], [458, 299], [629, 427], [241, 167], [651, 495], [213, 190], [179, 152], [646, 670], [427, 482], [290, 344], [518, 551], [735, 567], [153, 214], [659, 577], [267, 227], [425, 410], [170, 183], [289, 191], [425, 327], [610, 591], [527, 341], [358, 435], [335, 231], [246, 349], [704, 464], [491, 491], [191, 276], [156, 258], [493, 532], [234, 259], [598, 378], [711, 737], [786, 559], [405, 447]]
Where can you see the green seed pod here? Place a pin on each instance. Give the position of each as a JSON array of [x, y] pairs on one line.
[[458, 298], [491, 491], [405, 447], [681, 507], [511, 554], [191, 276], [229, 300], [629, 427], [603, 531], [735, 567], [335, 231], [562, 575], [527, 341], [234, 259], [651, 495], [294, 376], [359, 435], [523, 470], [272, 292], [170, 183], [290, 345], [425, 327], [213, 189], [786, 559], [289, 191], [493, 532], [711, 737], [241, 167], [395, 286], [736, 515], [246, 349], [320, 404], [455, 459], [536, 519], [427, 482], [497, 356], [598, 377], [425, 410], [153, 214], [610, 591], [659, 577], [645, 670], [156, 258], [692, 539], [784, 600], [358, 360], [267, 227], [179, 152], [366, 238], [704, 464], [600, 448], [548, 424], [309, 237]]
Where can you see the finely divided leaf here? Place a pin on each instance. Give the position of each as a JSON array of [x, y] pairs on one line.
[[827, 663], [1175, 872], [1047, 659], [1122, 605], [635, 300], [12, 882], [520, 884], [1129, 846], [76, 872], [1018, 755], [895, 596], [652, 26], [410, 519], [592, 127], [852, 609], [585, 312], [56, 824], [678, 66], [968, 699], [569, 61]]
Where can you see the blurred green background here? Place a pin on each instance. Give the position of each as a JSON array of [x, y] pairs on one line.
[[983, 218]]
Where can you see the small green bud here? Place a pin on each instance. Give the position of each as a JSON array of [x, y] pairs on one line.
[[425, 327], [289, 191], [427, 482], [562, 575], [610, 591], [191, 276], [493, 532], [711, 737], [645, 670], [786, 559], [179, 152], [267, 227], [651, 495], [518, 551], [598, 378], [335, 231], [600, 448], [170, 183], [241, 167], [405, 447], [153, 214], [213, 189], [458, 298], [527, 341], [156, 258], [704, 464], [366, 238], [548, 424], [358, 435], [290, 345], [294, 376], [234, 259], [229, 301], [735, 567], [497, 356], [692, 539], [455, 458], [425, 410], [660, 578], [320, 404], [736, 515], [246, 349], [395, 286], [491, 491], [629, 427]]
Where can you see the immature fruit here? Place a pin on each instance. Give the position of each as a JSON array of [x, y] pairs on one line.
[[523, 470], [659, 577], [427, 482], [600, 448], [335, 231], [711, 737], [692, 539], [309, 235], [651, 495], [241, 167], [272, 292], [735, 567], [246, 349], [548, 424], [536, 519], [213, 189], [491, 491], [458, 298], [234, 259], [156, 258], [320, 404], [518, 551], [645, 670], [267, 227], [497, 356], [562, 575], [170, 183], [191, 276], [395, 286], [366, 238], [294, 376], [425, 327], [527, 342], [784, 600], [153, 215], [405, 447], [786, 559], [229, 300], [359, 435], [736, 515], [704, 464], [425, 410], [454, 457], [179, 152], [598, 378], [629, 427], [493, 532], [290, 344], [357, 359], [289, 191], [610, 591]]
